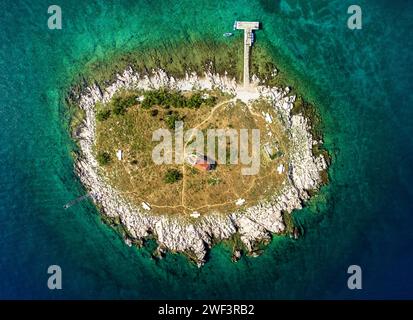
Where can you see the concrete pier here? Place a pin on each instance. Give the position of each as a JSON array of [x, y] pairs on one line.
[[248, 28]]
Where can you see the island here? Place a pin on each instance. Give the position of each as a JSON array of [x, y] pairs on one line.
[[193, 155]]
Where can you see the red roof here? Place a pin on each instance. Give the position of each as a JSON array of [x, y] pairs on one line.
[[202, 166], [201, 162]]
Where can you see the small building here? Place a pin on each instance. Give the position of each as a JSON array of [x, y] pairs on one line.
[[201, 162]]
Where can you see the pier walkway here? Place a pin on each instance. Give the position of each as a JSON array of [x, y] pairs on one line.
[[73, 202], [248, 28]]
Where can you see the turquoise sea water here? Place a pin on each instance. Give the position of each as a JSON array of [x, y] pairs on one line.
[[361, 81]]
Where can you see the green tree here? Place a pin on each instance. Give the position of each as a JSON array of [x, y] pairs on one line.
[[172, 176], [210, 101], [121, 103], [103, 158], [195, 101], [171, 119], [103, 115], [154, 112]]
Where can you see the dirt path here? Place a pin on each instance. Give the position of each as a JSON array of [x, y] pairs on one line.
[[219, 105]]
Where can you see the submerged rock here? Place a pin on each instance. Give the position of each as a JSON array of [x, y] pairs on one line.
[[236, 256]]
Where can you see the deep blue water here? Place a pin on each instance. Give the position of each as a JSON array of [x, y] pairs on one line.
[[361, 81]]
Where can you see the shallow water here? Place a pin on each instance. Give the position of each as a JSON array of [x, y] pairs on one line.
[[359, 80]]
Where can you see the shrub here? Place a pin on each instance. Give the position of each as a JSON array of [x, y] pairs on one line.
[[214, 181], [177, 100], [172, 176], [103, 158], [149, 100], [210, 101], [163, 98], [154, 112], [121, 103], [103, 115], [171, 119], [195, 101]]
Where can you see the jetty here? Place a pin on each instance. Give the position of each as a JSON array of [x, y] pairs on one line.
[[248, 28], [73, 202]]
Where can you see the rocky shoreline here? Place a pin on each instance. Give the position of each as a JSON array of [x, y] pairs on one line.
[[195, 236]]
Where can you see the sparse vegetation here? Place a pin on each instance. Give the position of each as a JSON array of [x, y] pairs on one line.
[[213, 181], [143, 180]]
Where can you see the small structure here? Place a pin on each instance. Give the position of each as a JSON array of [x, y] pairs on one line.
[[195, 214], [280, 169], [146, 206], [78, 199], [201, 162], [240, 202], [268, 118], [271, 149], [119, 154]]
